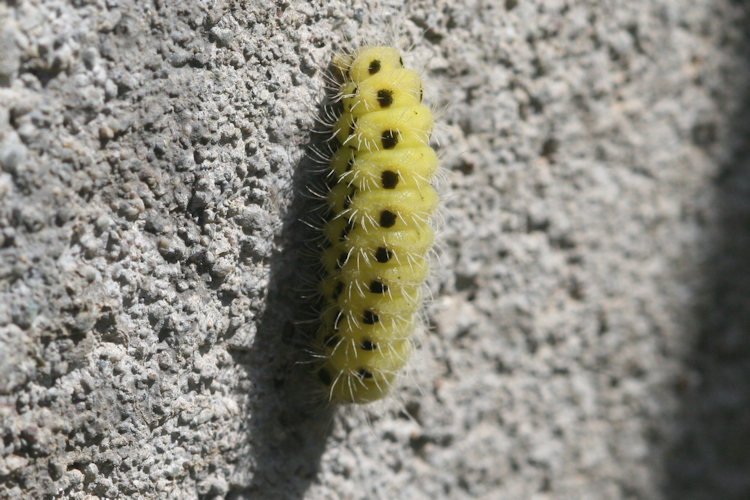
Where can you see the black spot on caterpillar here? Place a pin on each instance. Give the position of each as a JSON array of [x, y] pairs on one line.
[[367, 345], [378, 287], [382, 255], [389, 179], [370, 318], [387, 218], [389, 138], [385, 98]]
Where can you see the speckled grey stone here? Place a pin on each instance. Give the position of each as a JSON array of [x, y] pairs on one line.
[[588, 335]]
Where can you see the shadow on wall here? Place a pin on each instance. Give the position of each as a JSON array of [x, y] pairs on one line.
[[711, 458], [289, 423]]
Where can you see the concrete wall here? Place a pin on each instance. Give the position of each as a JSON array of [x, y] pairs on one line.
[[588, 336]]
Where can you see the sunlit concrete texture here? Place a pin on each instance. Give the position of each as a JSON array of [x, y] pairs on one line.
[[588, 332]]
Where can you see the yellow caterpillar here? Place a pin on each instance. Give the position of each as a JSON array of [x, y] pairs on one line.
[[379, 234]]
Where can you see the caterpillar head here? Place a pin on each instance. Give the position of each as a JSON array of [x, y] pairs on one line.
[[368, 61]]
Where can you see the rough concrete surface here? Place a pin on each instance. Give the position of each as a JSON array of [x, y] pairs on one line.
[[588, 336]]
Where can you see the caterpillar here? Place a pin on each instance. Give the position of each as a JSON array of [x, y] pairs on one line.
[[378, 233]]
